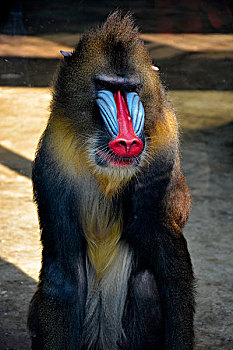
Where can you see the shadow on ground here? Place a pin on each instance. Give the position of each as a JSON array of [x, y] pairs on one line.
[[16, 291], [15, 162], [179, 69]]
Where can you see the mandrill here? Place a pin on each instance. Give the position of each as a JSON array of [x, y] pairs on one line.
[[112, 202]]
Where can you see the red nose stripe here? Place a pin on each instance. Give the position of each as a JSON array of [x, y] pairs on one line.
[[126, 144]]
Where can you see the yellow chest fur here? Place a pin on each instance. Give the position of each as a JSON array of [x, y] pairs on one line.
[[102, 231]]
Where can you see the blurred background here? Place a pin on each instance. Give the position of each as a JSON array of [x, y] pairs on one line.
[[191, 42]]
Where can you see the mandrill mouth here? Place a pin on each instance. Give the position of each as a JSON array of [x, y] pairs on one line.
[[104, 159]]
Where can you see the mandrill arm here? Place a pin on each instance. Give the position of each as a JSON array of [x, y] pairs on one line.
[[160, 209], [56, 311]]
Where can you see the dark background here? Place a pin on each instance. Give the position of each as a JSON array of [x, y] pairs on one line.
[[161, 16], [180, 69]]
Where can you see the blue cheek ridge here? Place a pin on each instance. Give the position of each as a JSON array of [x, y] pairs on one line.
[[108, 111], [136, 111]]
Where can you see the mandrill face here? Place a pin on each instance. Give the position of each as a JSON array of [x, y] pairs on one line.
[[123, 116]]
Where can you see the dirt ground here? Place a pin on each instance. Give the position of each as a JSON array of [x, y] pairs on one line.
[[206, 119]]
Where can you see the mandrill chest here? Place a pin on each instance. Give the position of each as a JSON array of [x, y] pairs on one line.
[[102, 228]]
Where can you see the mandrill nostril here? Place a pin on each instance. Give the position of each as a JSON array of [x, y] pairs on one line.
[[126, 144]]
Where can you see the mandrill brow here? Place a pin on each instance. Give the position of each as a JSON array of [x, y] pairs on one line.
[[112, 203], [117, 83]]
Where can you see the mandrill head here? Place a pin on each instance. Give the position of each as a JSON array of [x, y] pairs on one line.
[[110, 116]]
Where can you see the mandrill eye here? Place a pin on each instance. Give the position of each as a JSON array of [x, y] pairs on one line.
[[108, 111], [136, 111]]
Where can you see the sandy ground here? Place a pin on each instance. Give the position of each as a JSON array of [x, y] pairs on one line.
[[206, 119]]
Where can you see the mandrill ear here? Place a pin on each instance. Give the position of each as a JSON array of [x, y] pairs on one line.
[[155, 68], [66, 54]]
